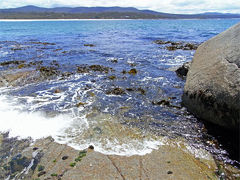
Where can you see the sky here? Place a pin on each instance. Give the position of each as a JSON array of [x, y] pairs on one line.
[[168, 6]]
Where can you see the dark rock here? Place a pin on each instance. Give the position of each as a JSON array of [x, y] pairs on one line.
[[41, 173], [80, 104], [18, 163], [142, 91], [43, 43], [162, 102], [116, 91], [172, 46], [124, 72], [93, 68], [183, 70], [35, 148], [112, 77], [7, 63], [91, 147], [57, 91], [89, 45], [64, 157], [48, 71], [99, 68], [162, 42], [132, 71]]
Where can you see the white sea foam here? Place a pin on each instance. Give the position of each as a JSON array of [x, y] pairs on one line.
[[29, 124], [72, 129]]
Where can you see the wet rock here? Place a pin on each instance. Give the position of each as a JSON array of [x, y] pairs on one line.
[[93, 68], [212, 87], [166, 103], [16, 78], [41, 173], [116, 91], [11, 158], [114, 60], [99, 68], [57, 91], [55, 63], [64, 157], [7, 63], [91, 147], [162, 102], [161, 42], [35, 148], [89, 45], [172, 46], [80, 104], [132, 71], [183, 70], [140, 90], [21, 66], [56, 50], [124, 72], [18, 163], [112, 77], [90, 164], [43, 43], [48, 71]]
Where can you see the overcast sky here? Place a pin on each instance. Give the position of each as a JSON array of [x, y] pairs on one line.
[[170, 6]]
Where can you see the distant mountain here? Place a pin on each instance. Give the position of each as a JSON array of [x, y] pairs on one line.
[[34, 12], [35, 9]]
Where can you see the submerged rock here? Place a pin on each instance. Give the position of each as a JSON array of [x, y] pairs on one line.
[[48, 71], [7, 63], [172, 46], [89, 45], [93, 68], [16, 78], [212, 89], [132, 71], [116, 91]]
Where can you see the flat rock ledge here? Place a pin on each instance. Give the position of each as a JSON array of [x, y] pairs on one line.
[[46, 159], [212, 89]]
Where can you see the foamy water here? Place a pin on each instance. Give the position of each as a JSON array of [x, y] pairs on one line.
[[29, 124], [71, 130]]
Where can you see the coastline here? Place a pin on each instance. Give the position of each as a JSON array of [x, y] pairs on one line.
[[30, 20], [7, 20]]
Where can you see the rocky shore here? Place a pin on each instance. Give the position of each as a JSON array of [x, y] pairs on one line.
[[46, 159]]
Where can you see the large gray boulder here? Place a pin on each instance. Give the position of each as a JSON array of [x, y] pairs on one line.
[[212, 89]]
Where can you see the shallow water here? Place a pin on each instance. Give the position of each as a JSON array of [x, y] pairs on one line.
[[83, 112]]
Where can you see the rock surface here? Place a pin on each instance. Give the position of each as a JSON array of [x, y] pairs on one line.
[[46, 159], [183, 70], [173, 46], [212, 89]]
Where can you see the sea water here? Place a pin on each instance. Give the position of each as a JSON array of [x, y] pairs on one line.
[[126, 124]]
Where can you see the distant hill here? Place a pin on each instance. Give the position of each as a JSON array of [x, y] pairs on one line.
[[34, 12]]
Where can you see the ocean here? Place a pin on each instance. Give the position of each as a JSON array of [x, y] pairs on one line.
[[107, 83]]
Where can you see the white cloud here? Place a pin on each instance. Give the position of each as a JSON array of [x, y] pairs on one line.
[[170, 6]]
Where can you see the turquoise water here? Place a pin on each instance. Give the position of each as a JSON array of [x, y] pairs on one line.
[[35, 110]]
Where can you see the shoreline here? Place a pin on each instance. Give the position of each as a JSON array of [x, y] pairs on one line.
[[6, 20], [29, 20]]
